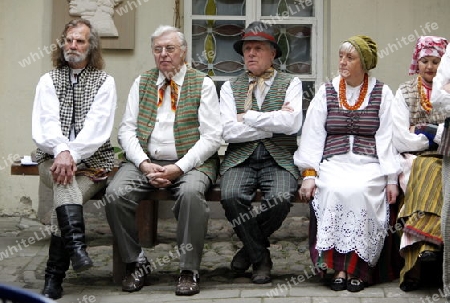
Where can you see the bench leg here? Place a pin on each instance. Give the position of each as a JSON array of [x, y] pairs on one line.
[[45, 207], [118, 266], [147, 223]]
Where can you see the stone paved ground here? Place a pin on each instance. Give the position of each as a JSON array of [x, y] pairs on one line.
[[288, 249], [24, 266]]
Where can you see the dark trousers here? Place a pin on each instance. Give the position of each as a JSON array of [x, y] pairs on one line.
[[254, 225]]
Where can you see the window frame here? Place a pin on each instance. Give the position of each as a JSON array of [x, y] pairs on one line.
[[253, 10]]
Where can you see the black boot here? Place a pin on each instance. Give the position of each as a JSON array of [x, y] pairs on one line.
[[57, 265], [71, 224]]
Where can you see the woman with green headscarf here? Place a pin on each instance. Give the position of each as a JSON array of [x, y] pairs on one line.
[[348, 166]]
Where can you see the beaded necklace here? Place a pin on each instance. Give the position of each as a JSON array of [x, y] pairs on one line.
[[362, 94], [424, 101]]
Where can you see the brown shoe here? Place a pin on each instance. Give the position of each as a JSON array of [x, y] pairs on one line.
[[261, 270], [188, 284], [241, 261], [135, 277]]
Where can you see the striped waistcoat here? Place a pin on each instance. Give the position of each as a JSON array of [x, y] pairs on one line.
[[186, 123], [417, 114], [77, 100], [363, 124], [281, 147]]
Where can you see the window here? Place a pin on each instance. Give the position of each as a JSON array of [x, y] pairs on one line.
[[212, 26]]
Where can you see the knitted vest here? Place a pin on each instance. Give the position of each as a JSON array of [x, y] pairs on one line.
[[416, 113], [82, 95], [186, 122], [363, 124], [281, 147]]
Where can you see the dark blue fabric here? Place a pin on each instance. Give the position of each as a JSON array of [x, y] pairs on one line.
[[429, 130]]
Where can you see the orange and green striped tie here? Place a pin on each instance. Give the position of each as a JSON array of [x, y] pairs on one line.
[[173, 93]]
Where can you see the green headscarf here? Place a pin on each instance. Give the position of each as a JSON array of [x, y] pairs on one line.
[[367, 50]]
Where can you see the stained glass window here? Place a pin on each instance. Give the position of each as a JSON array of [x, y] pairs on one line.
[[213, 26]]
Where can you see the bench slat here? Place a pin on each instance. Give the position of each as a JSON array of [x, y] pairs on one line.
[[18, 169]]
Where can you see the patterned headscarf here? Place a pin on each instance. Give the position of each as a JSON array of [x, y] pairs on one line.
[[427, 46], [367, 50]]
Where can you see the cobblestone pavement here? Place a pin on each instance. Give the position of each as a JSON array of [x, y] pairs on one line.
[[24, 248]]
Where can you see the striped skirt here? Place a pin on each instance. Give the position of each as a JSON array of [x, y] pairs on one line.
[[421, 211]]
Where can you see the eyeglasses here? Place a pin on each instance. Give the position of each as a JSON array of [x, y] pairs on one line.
[[169, 49]]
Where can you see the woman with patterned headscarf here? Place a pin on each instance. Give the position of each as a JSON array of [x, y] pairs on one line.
[[348, 166], [417, 133]]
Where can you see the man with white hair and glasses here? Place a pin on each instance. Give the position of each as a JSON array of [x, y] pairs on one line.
[[170, 135]]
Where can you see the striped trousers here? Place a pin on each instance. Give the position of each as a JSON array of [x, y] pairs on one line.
[[253, 225]]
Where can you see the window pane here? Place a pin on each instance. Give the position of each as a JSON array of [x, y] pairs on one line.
[[287, 8], [308, 93], [295, 43], [212, 47], [218, 7]]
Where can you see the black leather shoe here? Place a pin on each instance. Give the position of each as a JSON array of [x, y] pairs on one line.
[[188, 284], [261, 270], [428, 256], [338, 284], [355, 285], [241, 261], [53, 287], [135, 277], [57, 265], [409, 285]]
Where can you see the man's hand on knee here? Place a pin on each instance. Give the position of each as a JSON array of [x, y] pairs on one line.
[[63, 168]]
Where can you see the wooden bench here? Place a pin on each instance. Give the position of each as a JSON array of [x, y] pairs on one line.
[[146, 214]]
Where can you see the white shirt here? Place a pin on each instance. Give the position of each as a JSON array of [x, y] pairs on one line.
[[210, 128], [46, 124], [440, 99], [260, 125], [161, 145]]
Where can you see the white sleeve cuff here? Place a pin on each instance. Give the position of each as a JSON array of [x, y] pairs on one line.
[[139, 161], [392, 179], [64, 147], [60, 148], [184, 165], [437, 139]]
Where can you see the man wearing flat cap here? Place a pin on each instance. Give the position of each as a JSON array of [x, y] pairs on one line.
[[261, 114]]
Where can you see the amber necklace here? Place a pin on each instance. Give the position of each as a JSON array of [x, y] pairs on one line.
[[424, 101], [362, 94]]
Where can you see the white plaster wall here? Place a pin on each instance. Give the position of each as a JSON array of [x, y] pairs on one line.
[[25, 26], [389, 23]]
